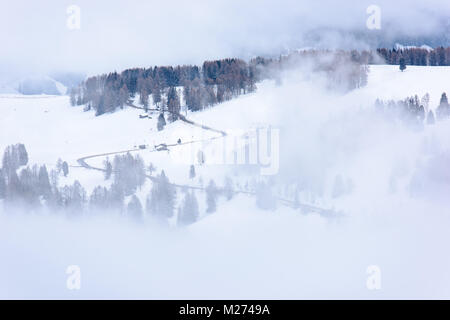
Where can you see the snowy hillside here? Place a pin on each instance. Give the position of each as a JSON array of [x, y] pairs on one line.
[[282, 253]]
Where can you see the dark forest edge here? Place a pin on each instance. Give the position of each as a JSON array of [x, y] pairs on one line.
[[212, 83], [221, 80]]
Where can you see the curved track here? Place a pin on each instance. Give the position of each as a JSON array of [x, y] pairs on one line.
[[303, 207]]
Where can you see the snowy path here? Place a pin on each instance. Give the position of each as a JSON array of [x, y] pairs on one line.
[[327, 213]]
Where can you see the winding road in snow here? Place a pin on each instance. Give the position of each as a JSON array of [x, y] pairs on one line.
[[304, 207]]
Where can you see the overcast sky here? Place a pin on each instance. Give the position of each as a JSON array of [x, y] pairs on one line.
[[118, 34]]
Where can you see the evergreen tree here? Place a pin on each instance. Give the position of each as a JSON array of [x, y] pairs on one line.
[[65, 168], [108, 169], [143, 99], [123, 96], [162, 197], [73, 99], [161, 122], [228, 188], [402, 64], [211, 197], [129, 173], [173, 104], [192, 172], [45, 188], [443, 110], [134, 209], [2, 184], [156, 94], [426, 101], [188, 212], [74, 198], [430, 118]]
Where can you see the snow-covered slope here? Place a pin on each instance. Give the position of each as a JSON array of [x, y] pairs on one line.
[[242, 251]]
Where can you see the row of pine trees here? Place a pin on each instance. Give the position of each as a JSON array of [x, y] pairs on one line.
[[34, 189], [212, 83], [414, 111]]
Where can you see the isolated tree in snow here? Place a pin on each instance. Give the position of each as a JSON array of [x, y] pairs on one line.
[[211, 197], [65, 168], [192, 172], [402, 64], [161, 122], [134, 209], [188, 212]]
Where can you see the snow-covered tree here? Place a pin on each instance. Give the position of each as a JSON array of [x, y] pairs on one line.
[[430, 118], [2, 184], [425, 101], [443, 110], [134, 209], [44, 188], [108, 169], [265, 198], [129, 172], [211, 197], [402, 63], [192, 172], [188, 212], [98, 199], [162, 197], [161, 122], [228, 188], [65, 168]]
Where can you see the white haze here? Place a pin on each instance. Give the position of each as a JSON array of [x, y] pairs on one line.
[[242, 252], [118, 34]]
